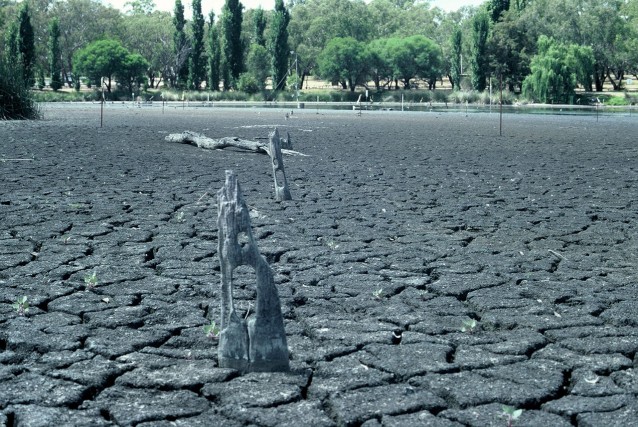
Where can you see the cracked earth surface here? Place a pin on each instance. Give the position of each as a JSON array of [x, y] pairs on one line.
[[407, 224]]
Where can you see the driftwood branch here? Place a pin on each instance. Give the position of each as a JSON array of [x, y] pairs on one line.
[[202, 141]]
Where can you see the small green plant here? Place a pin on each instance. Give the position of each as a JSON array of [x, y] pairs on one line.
[[378, 294], [212, 330], [511, 414], [469, 325], [21, 306], [90, 281]]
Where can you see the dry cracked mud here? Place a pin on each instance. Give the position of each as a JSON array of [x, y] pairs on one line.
[[401, 224]]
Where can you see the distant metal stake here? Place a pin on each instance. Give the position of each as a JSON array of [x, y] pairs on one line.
[[500, 129]]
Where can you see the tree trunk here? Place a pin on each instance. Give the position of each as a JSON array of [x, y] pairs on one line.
[[202, 141], [599, 77], [616, 80]]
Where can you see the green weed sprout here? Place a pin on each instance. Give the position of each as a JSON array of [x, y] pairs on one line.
[[21, 306], [511, 414], [90, 281], [469, 325], [212, 330], [378, 294]]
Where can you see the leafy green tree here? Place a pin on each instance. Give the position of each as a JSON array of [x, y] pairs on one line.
[[497, 8], [455, 61], [232, 48], [54, 55], [259, 27], [152, 34], [479, 60], [413, 57], [181, 46], [278, 45], [556, 69], [108, 59], [258, 65], [380, 63], [344, 60], [314, 22], [83, 22], [11, 42], [26, 44], [131, 72], [140, 7], [214, 54], [196, 60]]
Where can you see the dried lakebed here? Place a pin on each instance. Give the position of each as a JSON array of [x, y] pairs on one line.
[[400, 224]]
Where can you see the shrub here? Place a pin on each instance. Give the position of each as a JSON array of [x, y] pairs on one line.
[[16, 101]]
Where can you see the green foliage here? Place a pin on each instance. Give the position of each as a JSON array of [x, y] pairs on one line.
[[109, 59], [90, 281], [278, 45], [232, 49], [21, 306], [212, 330], [259, 26], [196, 60], [26, 44], [455, 61], [344, 60], [469, 325], [413, 57], [556, 70], [214, 54], [247, 83], [258, 65], [54, 54], [511, 414], [479, 62], [181, 46], [16, 101]]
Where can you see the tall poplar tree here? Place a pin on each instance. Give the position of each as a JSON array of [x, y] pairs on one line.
[[479, 61], [181, 46], [54, 54], [455, 60], [278, 45], [26, 44], [214, 54], [259, 27], [232, 49], [196, 59]]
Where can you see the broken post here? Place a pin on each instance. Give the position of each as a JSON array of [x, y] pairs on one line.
[[282, 192], [260, 344]]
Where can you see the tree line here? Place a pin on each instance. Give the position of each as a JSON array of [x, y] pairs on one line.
[[543, 48]]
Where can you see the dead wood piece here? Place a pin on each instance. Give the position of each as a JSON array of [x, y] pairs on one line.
[[198, 140]]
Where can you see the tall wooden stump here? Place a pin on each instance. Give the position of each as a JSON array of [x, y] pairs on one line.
[[259, 345], [282, 192]]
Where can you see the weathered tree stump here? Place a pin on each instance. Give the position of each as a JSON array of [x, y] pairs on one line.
[[282, 192], [260, 344]]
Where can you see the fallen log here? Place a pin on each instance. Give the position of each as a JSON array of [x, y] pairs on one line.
[[202, 141]]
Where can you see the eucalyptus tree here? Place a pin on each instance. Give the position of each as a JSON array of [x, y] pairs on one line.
[[346, 61], [315, 22], [151, 34], [278, 45], [82, 22]]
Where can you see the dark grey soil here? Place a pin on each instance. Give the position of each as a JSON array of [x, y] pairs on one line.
[[401, 222]]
